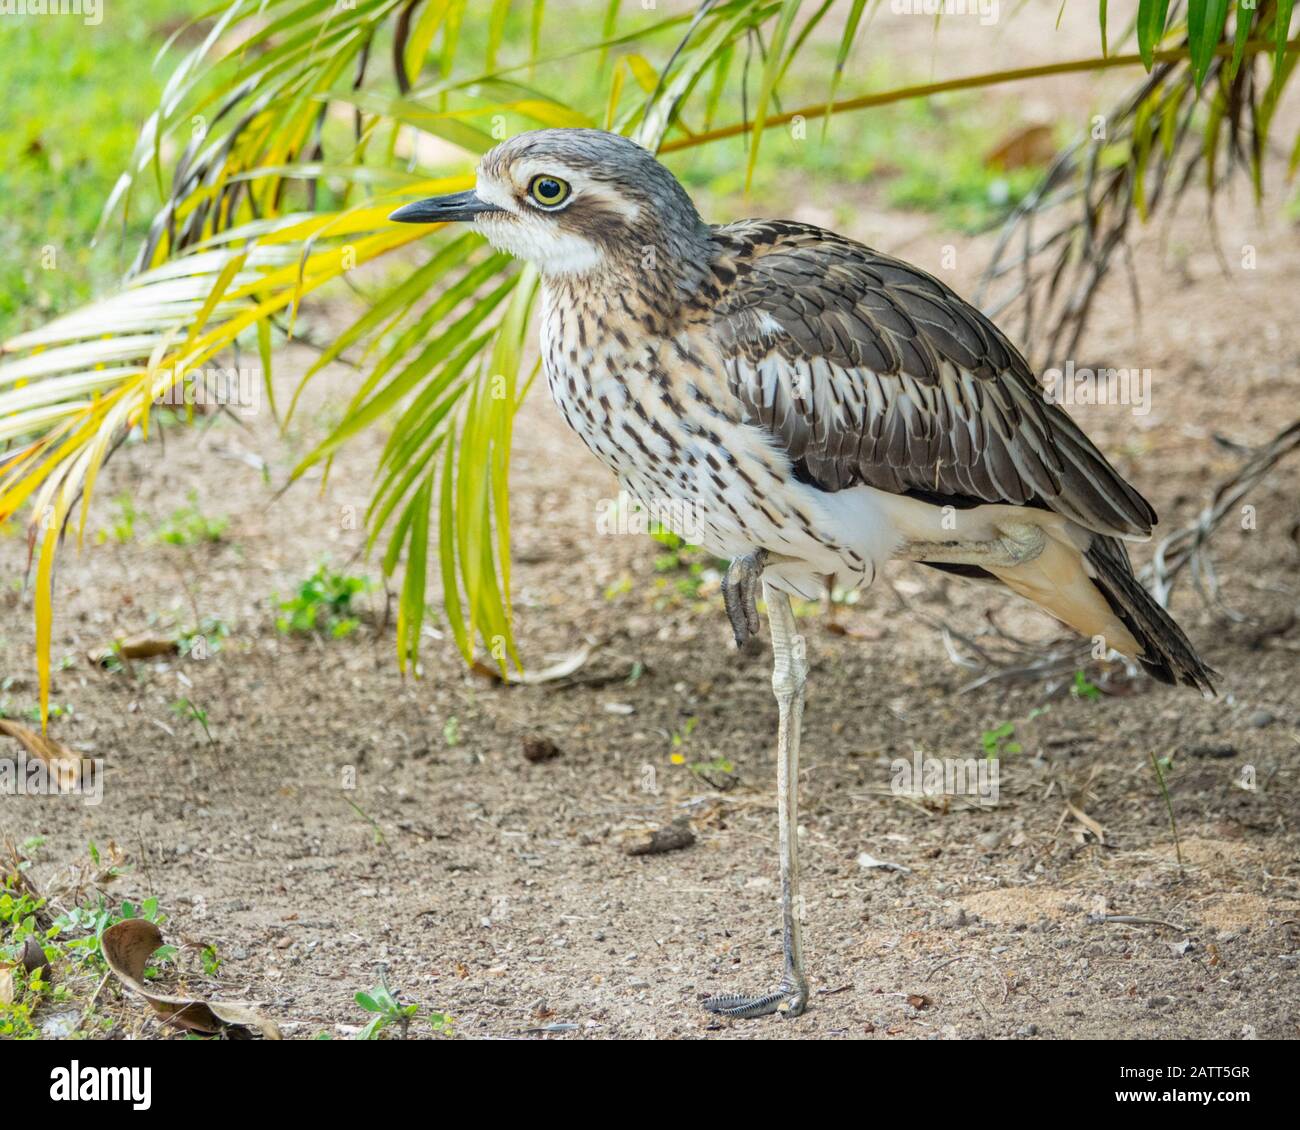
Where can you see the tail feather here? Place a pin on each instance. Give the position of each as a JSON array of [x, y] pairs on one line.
[[1166, 653]]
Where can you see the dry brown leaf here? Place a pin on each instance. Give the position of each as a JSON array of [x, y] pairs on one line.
[[1028, 145], [656, 841], [1087, 821], [65, 765], [33, 958], [136, 647], [127, 948]]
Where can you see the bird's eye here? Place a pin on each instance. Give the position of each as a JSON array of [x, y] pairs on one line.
[[548, 191]]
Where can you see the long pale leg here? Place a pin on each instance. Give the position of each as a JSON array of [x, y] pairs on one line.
[[789, 673]]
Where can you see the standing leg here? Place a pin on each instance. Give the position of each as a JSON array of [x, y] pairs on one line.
[[789, 672]]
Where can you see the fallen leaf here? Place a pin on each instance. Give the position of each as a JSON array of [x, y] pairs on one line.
[[136, 647], [65, 765], [916, 1000], [1029, 145], [33, 958], [656, 841], [1087, 821], [127, 947]]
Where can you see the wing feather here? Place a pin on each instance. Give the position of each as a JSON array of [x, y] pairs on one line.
[[868, 370]]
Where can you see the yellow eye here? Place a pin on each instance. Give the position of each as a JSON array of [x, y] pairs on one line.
[[548, 191]]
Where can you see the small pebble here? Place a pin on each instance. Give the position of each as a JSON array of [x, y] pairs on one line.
[[538, 749], [1212, 749]]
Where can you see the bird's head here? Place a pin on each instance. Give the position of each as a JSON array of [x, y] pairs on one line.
[[574, 202]]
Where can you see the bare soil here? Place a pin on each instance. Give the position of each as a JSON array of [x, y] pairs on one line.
[[496, 888]]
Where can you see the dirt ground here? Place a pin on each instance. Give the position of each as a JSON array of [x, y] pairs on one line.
[[497, 889]]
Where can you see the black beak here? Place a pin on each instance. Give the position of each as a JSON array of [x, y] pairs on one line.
[[443, 209]]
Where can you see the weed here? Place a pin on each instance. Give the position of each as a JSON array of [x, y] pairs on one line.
[[1162, 766], [451, 731], [323, 602], [1083, 688], [999, 740], [185, 709], [205, 639], [679, 740], [387, 1011], [123, 528], [189, 526]]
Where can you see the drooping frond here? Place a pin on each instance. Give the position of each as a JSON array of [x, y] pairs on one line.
[[285, 137]]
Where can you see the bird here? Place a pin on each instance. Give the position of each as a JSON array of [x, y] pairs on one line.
[[818, 409]]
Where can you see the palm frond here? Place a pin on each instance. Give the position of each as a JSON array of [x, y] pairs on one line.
[[281, 144]]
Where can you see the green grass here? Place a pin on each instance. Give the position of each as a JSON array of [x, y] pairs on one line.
[[75, 97]]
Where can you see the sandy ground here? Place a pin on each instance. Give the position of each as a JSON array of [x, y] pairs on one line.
[[497, 889]]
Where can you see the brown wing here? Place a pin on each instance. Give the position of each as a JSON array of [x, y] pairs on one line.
[[868, 370]]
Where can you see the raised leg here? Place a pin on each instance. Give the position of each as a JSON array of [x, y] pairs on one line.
[[740, 594], [789, 673], [1017, 545]]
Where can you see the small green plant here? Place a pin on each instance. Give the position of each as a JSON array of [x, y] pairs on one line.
[[720, 772], [211, 960], [123, 528], [387, 1011], [189, 526], [1083, 688], [205, 639], [618, 588], [374, 824], [32, 713], [680, 738], [185, 709], [323, 602], [682, 564], [1162, 766], [1003, 739], [1000, 740], [451, 731]]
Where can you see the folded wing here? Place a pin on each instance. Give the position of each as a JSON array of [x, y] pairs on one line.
[[868, 370]]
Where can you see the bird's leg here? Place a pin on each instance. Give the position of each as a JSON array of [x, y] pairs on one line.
[[1018, 544], [740, 593], [789, 672]]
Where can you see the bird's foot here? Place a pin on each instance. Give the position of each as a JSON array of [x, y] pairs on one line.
[[789, 999], [740, 587]]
